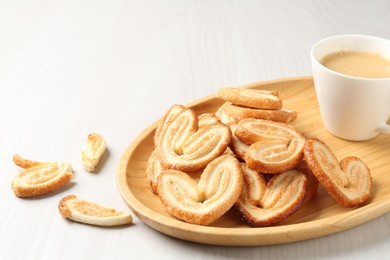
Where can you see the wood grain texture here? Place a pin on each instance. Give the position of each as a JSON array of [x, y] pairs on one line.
[[319, 217]]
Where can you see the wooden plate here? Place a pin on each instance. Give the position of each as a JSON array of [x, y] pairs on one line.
[[320, 216]]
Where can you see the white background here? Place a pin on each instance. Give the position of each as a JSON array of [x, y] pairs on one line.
[[72, 67]]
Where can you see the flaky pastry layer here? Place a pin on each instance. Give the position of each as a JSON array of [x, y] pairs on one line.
[[41, 178], [348, 182], [273, 147], [80, 210], [95, 147], [182, 145], [283, 115], [253, 98], [264, 203], [202, 203]]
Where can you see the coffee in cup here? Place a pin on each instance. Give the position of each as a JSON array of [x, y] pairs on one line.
[[358, 64], [352, 83]]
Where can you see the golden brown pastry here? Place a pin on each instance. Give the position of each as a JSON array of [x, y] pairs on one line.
[[204, 202], [169, 116], [153, 170], [93, 151], [312, 182], [207, 119], [40, 178], [154, 167], [25, 163], [283, 115], [254, 98], [182, 145], [223, 117], [238, 147], [348, 182], [265, 204], [86, 212], [273, 147]]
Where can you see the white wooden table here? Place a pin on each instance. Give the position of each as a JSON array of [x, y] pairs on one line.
[[69, 68]]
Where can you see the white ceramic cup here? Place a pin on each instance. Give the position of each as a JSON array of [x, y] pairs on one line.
[[352, 108]]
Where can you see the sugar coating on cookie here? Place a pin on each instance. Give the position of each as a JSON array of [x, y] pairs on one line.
[[254, 98]]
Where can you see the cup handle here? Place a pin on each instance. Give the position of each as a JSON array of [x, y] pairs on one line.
[[384, 128]]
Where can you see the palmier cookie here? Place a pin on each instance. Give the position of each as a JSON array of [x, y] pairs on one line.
[[265, 204], [204, 202], [254, 98], [40, 178], [82, 211], [283, 115], [274, 147], [183, 146], [348, 182], [93, 150]]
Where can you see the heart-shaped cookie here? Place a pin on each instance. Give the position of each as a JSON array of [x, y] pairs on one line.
[[264, 204], [182, 145], [274, 147], [204, 202], [40, 178], [348, 182]]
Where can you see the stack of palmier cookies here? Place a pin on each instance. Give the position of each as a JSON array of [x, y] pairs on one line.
[[248, 157]]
